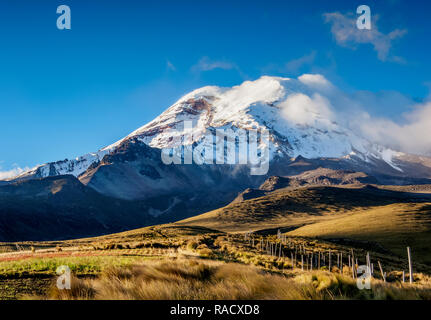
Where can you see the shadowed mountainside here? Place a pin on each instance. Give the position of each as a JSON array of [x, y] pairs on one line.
[[61, 208]]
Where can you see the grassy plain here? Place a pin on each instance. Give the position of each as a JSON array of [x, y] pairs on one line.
[[211, 257]]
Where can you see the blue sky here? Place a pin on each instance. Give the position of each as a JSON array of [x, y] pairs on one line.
[[64, 93]]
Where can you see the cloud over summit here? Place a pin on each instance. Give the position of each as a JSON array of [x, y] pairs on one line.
[[346, 34], [407, 132]]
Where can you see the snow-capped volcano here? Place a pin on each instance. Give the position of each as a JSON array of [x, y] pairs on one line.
[[127, 184], [297, 113]]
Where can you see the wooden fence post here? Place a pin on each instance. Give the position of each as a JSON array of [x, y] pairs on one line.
[[368, 262], [353, 268], [311, 262], [283, 262], [381, 271], [341, 262], [409, 254], [353, 264]]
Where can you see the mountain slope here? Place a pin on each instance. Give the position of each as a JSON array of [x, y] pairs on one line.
[[63, 208], [320, 176], [292, 208], [393, 226], [380, 220]]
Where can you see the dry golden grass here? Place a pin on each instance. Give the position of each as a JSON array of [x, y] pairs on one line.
[[227, 266], [192, 279], [291, 208], [393, 226], [390, 219]]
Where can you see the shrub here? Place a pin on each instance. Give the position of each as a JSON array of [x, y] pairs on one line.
[[205, 252], [79, 289], [219, 241], [192, 245]]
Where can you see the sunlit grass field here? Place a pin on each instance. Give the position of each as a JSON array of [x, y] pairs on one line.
[[148, 264], [213, 256]]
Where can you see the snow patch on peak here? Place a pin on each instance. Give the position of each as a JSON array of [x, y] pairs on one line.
[[73, 167], [208, 91], [388, 156], [297, 112]]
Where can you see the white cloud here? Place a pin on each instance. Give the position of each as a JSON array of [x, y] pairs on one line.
[[411, 136], [407, 132], [170, 66], [206, 64], [294, 65], [304, 110], [316, 81], [346, 34], [4, 175]]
